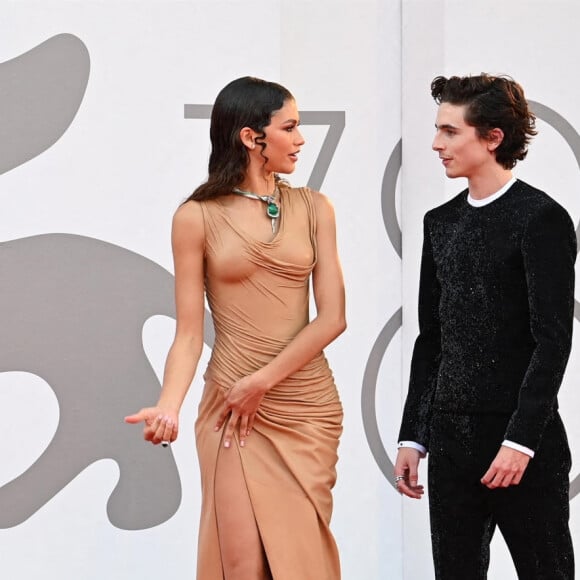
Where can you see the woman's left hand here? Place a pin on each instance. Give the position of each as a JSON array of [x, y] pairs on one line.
[[240, 407]]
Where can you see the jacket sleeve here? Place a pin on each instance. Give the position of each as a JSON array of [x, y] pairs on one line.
[[426, 353], [549, 252]]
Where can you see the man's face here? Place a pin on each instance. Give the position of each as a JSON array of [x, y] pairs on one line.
[[463, 152]]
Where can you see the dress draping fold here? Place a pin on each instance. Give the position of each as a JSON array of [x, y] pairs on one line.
[[258, 294]]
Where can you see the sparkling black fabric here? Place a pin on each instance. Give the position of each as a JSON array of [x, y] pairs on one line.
[[532, 516], [496, 308]]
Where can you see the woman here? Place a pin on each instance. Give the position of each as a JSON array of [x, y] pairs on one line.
[[270, 416]]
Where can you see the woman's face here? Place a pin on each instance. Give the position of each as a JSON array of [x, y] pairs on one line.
[[283, 139]]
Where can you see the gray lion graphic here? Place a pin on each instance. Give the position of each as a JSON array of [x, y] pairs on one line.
[[72, 311]]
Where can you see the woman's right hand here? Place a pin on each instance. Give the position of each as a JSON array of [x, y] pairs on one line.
[[160, 425]]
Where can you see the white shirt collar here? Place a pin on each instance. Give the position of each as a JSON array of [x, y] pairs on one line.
[[490, 198]]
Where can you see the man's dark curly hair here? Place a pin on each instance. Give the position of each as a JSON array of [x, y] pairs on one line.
[[492, 102]]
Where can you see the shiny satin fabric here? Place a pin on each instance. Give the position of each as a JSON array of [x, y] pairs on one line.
[[258, 293]]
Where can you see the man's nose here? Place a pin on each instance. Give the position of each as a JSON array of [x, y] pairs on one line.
[[436, 145]]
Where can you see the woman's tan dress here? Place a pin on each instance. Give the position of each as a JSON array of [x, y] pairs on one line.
[[258, 294]]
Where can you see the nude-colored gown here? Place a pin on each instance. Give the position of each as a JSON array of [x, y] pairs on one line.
[[259, 295]]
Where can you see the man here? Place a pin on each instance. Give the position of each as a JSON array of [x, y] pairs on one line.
[[496, 307]]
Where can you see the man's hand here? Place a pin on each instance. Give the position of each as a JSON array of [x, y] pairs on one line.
[[406, 468], [506, 469]]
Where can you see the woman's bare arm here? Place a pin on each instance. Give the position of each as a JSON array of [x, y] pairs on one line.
[[162, 420]]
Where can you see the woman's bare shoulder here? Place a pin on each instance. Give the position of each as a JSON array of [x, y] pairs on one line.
[[188, 222], [322, 205], [188, 213]]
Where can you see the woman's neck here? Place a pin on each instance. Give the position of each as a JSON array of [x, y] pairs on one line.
[[260, 183]]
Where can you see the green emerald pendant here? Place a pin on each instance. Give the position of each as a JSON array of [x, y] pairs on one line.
[[272, 210]]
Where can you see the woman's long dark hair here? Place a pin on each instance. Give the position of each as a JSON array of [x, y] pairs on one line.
[[245, 102]]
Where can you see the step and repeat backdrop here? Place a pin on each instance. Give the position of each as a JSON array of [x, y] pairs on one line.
[[104, 121]]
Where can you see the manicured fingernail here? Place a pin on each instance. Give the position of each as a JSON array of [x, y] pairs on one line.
[[226, 443], [242, 442]]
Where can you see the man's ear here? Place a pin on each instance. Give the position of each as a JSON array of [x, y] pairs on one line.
[[494, 138], [248, 137]]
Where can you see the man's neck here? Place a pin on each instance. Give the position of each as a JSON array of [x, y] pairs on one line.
[[482, 186]]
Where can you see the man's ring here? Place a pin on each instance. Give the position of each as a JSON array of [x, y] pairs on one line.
[[399, 478], [165, 443]]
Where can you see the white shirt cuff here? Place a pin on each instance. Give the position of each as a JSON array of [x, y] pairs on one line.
[[414, 445], [518, 447]]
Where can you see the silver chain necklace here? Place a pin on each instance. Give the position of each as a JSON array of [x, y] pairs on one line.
[[272, 207]]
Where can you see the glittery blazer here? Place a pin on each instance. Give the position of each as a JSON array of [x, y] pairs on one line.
[[496, 308]]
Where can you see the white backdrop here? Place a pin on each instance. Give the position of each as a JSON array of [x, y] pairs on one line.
[[111, 175]]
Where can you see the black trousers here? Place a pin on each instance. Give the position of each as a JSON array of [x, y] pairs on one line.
[[532, 516]]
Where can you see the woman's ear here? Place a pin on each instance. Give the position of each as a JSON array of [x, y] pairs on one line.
[[248, 137], [494, 138]]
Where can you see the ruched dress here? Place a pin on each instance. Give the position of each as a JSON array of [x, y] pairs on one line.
[[258, 294]]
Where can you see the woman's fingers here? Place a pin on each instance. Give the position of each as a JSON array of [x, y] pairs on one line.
[[160, 426], [239, 408], [244, 432], [251, 423], [136, 417], [229, 430], [245, 423], [162, 430], [222, 417]]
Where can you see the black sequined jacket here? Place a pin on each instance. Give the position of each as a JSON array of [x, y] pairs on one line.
[[496, 308]]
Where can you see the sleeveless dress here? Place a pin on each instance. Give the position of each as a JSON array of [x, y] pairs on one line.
[[258, 294]]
